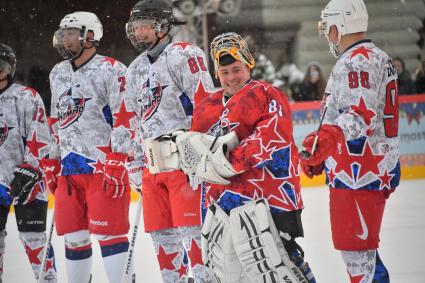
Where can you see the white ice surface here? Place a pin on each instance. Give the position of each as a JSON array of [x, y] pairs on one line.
[[402, 242]]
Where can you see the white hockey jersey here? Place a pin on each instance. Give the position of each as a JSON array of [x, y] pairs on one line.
[[162, 93], [24, 133], [362, 99], [85, 103]]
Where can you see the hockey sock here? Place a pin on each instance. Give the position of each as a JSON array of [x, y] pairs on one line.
[[2, 238], [365, 267], [114, 253], [34, 246], [170, 254], [192, 242], [78, 256]]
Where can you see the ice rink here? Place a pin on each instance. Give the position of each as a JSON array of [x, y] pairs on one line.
[[402, 242]]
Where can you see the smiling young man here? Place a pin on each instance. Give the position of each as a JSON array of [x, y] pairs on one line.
[[241, 145]]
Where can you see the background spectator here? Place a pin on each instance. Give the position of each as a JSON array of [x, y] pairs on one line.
[[405, 82], [313, 85], [420, 78]]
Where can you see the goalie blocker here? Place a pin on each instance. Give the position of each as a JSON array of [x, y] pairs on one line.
[[246, 246]]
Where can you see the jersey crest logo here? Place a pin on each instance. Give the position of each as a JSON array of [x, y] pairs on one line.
[[70, 109], [4, 132], [223, 125], [151, 98]]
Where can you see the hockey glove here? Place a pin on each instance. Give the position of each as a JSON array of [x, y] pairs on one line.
[[24, 184], [329, 139], [161, 154], [311, 171], [134, 170], [5, 198], [115, 180], [51, 169]]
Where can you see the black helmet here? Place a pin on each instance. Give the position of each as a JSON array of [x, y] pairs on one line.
[[8, 57], [159, 12]]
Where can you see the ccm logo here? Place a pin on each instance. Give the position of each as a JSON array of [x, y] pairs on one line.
[[115, 162]]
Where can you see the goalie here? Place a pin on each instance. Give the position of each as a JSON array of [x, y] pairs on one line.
[[249, 163]]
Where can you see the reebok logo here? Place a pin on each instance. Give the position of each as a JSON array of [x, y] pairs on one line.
[[98, 222], [365, 231]]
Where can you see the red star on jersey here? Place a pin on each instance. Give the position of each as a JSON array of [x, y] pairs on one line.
[[183, 45], [98, 167], [367, 161], [264, 155], [195, 254], [33, 254], [361, 51], [109, 60], [182, 271], [166, 260], [331, 177], [123, 117], [363, 111], [270, 135], [34, 145], [33, 91], [356, 279], [269, 188], [386, 180], [105, 149], [200, 93]]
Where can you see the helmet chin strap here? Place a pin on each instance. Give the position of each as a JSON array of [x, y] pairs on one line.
[[333, 47], [81, 51], [158, 46]]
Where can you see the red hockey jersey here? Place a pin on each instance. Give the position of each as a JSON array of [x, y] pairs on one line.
[[266, 156]]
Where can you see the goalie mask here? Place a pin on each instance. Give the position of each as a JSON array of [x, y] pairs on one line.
[[74, 28], [349, 16], [7, 61], [233, 44], [154, 14]]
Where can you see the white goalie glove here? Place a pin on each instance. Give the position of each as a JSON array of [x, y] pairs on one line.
[[161, 154], [203, 156]]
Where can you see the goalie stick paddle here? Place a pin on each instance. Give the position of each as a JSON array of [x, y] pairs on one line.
[[129, 277], [46, 250]]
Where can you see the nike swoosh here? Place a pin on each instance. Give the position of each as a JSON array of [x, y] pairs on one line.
[[365, 233]]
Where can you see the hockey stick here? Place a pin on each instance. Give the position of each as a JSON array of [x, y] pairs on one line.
[[304, 153], [127, 277], [46, 249]]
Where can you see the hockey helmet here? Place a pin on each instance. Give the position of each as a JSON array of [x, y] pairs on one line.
[[156, 13], [349, 16], [83, 22], [7, 60], [233, 44]]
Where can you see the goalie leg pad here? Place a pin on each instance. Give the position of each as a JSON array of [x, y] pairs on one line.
[[259, 247], [218, 253]]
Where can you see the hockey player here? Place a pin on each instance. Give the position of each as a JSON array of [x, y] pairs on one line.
[[357, 144], [161, 86], [24, 141], [249, 160], [92, 194]]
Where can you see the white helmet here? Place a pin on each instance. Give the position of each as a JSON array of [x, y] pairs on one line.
[[84, 21], [80, 23], [349, 16]]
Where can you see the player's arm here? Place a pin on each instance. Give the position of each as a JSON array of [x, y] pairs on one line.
[[25, 186], [350, 110]]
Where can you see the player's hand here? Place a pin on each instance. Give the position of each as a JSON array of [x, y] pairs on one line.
[[25, 184], [134, 170], [311, 171], [329, 139], [51, 169], [115, 180]]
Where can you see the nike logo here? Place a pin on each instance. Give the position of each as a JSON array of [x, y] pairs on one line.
[[365, 232]]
